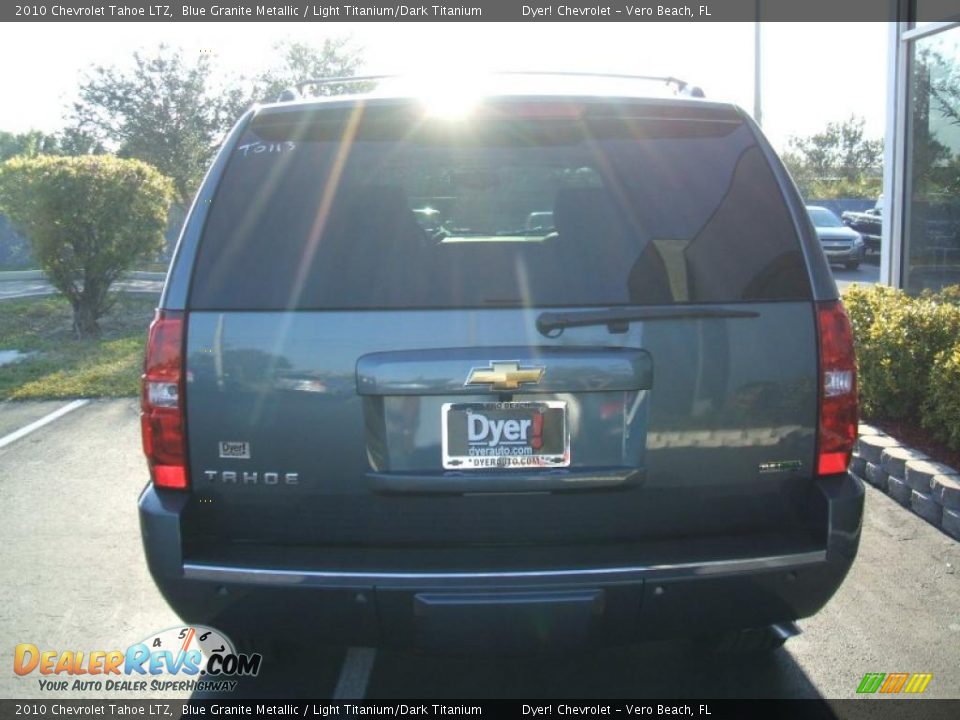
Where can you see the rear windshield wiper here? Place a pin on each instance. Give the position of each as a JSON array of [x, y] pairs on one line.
[[618, 320]]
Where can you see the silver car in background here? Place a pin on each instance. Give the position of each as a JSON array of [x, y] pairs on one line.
[[840, 243]]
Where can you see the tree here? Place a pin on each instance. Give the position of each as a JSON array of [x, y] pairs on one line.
[[163, 111], [938, 74], [300, 62], [73, 140], [30, 143], [69, 141], [839, 154], [172, 114], [88, 219], [936, 105]]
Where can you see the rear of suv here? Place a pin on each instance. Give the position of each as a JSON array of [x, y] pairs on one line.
[[381, 406]]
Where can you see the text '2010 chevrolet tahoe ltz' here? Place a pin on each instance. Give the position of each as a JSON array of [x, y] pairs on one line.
[[382, 406]]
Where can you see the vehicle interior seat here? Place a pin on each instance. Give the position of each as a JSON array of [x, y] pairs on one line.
[[371, 221]]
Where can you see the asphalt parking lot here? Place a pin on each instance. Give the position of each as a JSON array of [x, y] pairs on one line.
[[867, 274], [10, 289], [73, 577]]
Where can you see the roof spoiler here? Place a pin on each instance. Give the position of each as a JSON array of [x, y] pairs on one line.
[[300, 90]]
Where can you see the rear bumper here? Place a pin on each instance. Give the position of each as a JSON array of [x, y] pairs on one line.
[[506, 609]]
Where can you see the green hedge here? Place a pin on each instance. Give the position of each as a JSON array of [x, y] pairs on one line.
[[908, 356], [941, 411]]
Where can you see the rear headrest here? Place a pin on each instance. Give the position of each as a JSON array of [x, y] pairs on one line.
[[371, 221], [374, 216]]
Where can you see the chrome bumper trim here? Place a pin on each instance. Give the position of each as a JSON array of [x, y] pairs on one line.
[[265, 576]]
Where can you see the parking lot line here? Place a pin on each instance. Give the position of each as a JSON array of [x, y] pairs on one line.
[[355, 673], [37, 424]]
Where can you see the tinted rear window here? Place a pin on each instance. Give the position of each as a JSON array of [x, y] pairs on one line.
[[505, 210]]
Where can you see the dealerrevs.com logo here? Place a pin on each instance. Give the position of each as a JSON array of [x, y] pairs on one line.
[[177, 659]]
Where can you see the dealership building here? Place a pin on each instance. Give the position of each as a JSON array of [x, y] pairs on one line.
[[921, 201]]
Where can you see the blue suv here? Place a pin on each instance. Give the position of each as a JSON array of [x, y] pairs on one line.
[[381, 406]]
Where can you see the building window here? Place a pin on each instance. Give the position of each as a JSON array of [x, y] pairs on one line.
[[931, 256]]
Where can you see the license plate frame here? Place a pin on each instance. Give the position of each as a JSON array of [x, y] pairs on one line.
[[514, 445]]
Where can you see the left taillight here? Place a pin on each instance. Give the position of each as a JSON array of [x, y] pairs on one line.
[[161, 401], [837, 430]]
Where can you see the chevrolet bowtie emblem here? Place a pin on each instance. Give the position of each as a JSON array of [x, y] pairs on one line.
[[504, 375]]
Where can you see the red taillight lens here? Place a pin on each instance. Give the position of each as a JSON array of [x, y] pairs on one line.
[[161, 402], [838, 390]]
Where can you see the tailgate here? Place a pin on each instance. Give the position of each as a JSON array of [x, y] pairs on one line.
[[365, 368], [328, 428]]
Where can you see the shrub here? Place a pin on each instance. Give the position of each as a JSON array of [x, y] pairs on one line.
[[88, 219], [949, 294], [897, 338], [863, 303], [941, 411]]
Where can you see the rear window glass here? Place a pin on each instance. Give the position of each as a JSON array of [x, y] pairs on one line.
[[499, 211]]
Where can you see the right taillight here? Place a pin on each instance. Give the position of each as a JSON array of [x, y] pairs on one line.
[[837, 430], [161, 402]]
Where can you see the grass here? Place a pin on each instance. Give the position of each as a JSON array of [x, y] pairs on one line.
[[62, 366]]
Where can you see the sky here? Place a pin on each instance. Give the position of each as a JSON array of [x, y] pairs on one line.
[[813, 73]]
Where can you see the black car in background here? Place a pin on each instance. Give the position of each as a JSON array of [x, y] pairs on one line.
[[869, 224]]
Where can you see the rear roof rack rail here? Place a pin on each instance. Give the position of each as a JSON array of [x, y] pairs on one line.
[[295, 92], [681, 87]]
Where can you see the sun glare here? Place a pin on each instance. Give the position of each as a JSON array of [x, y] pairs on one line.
[[450, 97]]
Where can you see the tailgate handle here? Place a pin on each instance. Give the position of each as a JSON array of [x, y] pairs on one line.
[[446, 371]]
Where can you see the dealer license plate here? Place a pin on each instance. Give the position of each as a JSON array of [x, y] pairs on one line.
[[505, 435]]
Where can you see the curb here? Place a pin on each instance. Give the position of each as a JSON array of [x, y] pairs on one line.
[[38, 275], [930, 489]]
